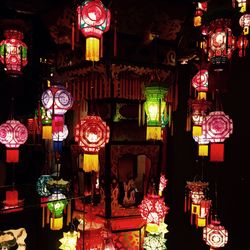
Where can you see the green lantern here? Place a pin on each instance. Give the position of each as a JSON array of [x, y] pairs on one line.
[[155, 108]]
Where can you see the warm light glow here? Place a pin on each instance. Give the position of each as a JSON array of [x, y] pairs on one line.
[[200, 81], [153, 242], [69, 240], [92, 49]]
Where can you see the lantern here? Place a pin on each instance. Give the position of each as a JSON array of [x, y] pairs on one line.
[[56, 204], [201, 7], [245, 23], [154, 241], [13, 134], [92, 134], [93, 21], [221, 42], [202, 145], [155, 107], [216, 128], [153, 209], [58, 138], [163, 184], [13, 52], [57, 99], [242, 44], [200, 83], [46, 125], [204, 212], [241, 4], [215, 235], [69, 240]]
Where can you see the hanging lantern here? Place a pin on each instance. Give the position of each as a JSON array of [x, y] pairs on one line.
[[153, 209], [155, 107], [200, 83], [58, 138], [221, 42], [245, 23], [46, 125], [154, 241], [92, 134], [93, 21], [242, 44], [56, 204], [204, 212], [13, 52], [13, 134], [216, 128], [202, 145], [215, 235], [57, 99], [201, 7], [69, 240], [163, 184]]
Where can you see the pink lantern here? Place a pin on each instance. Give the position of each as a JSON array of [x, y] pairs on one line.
[[153, 209], [215, 235], [245, 23], [200, 80], [13, 134], [163, 184], [92, 134], [57, 99], [13, 52]]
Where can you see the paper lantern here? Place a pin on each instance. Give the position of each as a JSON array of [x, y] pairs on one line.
[[92, 134], [202, 145], [47, 126], [201, 7], [162, 184], [58, 138], [68, 242], [153, 242], [93, 21], [56, 204], [153, 209], [200, 83], [155, 107], [221, 42], [13, 52], [204, 212], [11, 202], [57, 99], [215, 235], [13, 134]]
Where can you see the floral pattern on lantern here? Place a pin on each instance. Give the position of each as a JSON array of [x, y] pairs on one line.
[[59, 137], [13, 133], [200, 80], [57, 100], [93, 21], [92, 134], [153, 209], [215, 235], [13, 52]]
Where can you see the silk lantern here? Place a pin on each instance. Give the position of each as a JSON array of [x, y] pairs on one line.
[[216, 127], [155, 107], [93, 21], [13, 52], [13, 133], [57, 100], [92, 134], [200, 83], [215, 235]]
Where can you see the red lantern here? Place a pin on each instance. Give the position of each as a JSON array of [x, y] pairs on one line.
[[221, 42], [13, 134], [153, 209], [92, 134], [200, 81], [57, 99], [242, 44], [215, 235], [13, 52], [93, 21]]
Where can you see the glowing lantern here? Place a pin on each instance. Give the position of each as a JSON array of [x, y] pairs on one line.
[[56, 204], [245, 23], [163, 184], [46, 125], [155, 107], [69, 240], [202, 145], [216, 128], [92, 134], [204, 212], [58, 138], [242, 44], [200, 83], [242, 4], [13, 52], [153, 209], [221, 42], [57, 99], [201, 7], [154, 241], [13, 134], [215, 235], [93, 21]]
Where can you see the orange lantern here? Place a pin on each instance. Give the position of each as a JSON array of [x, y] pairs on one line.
[[92, 134]]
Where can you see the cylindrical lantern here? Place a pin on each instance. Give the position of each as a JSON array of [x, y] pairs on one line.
[[92, 134], [13, 52], [215, 235], [93, 21], [13, 134], [155, 105], [57, 99]]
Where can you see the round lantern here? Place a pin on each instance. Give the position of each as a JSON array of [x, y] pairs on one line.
[[56, 204], [153, 209], [57, 99], [155, 107], [13, 52], [93, 21], [92, 134], [200, 83], [13, 134], [221, 42], [215, 235]]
